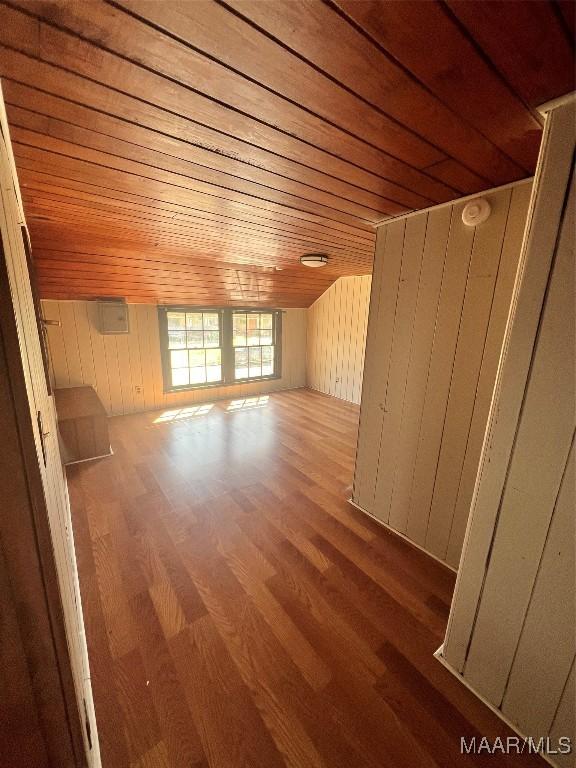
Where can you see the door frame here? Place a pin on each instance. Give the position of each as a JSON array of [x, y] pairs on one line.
[[31, 565]]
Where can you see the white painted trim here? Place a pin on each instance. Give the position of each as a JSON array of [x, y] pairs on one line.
[[552, 174], [438, 655], [92, 458], [548, 106], [462, 199], [402, 536]]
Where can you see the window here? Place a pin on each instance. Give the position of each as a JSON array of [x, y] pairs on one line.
[[210, 347], [253, 342]]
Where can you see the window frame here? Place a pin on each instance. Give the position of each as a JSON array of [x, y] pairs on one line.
[[226, 345]]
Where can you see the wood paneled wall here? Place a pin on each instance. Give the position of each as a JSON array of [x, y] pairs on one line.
[[336, 338], [126, 369], [440, 298], [512, 629]]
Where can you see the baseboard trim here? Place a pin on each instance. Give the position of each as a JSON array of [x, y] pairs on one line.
[[220, 398], [90, 458], [329, 394], [402, 536]]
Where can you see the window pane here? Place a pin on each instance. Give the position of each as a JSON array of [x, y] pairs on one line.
[[195, 340], [176, 321], [266, 336], [255, 363], [267, 361], [211, 321], [241, 363], [179, 359], [176, 339], [198, 375], [213, 356], [180, 377], [255, 356], [196, 357], [253, 338], [214, 373], [239, 321], [239, 329], [266, 320], [252, 322], [211, 339], [194, 321]]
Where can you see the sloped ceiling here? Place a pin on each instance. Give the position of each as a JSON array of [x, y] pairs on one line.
[[190, 152]]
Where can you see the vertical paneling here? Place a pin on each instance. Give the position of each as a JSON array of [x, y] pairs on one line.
[[436, 331], [545, 433], [383, 304], [447, 323], [402, 338], [496, 328], [126, 369], [512, 628], [470, 347], [336, 337], [420, 350], [530, 699]]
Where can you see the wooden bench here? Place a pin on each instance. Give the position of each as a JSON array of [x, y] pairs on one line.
[[82, 424]]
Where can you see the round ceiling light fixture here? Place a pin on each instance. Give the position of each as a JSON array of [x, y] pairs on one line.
[[314, 259], [476, 212]]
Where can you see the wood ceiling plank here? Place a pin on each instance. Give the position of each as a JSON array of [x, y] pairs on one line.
[[50, 127], [284, 154], [273, 130], [60, 294], [210, 34], [194, 142], [243, 252], [178, 174], [206, 277], [132, 282], [98, 133], [39, 184], [213, 269], [525, 41], [166, 189], [62, 210], [99, 285], [458, 177], [197, 294], [105, 242], [456, 72], [192, 151], [347, 56]]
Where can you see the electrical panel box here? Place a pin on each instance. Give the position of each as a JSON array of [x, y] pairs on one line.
[[113, 317]]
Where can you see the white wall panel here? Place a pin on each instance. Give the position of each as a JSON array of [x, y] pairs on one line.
[[511, 635], [126, 369], [337, 337], [433, 349]]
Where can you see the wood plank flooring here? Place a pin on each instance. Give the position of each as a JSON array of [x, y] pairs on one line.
[[241, 614]]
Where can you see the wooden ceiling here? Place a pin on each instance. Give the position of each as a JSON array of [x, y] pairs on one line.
[[192, 151]]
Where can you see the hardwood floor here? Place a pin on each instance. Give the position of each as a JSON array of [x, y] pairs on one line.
[[241, 614]]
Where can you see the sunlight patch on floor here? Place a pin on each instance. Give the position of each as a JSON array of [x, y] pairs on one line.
[[180, 414], [248, 402]]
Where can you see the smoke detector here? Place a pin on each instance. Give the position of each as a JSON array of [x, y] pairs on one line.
[[476, 212]]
